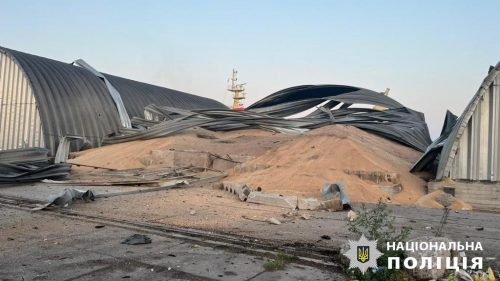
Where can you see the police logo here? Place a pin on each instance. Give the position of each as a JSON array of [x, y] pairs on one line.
[[363, 254]]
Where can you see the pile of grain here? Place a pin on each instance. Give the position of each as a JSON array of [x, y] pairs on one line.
[[438, 199], [302, 165], [298, 164], [134, 154]]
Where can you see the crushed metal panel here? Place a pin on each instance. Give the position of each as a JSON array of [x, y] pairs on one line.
[[115, 95]]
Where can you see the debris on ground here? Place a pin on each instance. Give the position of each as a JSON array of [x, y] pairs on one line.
[[66, 198], [239, 189], [29, 165], [137, 239], [326, 237], [308, 204], [159, 176], [273, 199], [439, 199], [273, 221], [305, 216], [351, 215]]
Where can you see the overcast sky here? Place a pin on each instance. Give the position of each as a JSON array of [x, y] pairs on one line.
[[433, 55]]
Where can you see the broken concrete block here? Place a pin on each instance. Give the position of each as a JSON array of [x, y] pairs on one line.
[[229, 161], [249, 167], [392, 189], [308, 204], [178, 158], [239, 189], [352, 216], [185, 158], [272, 199], [273, 221], [334, 204]]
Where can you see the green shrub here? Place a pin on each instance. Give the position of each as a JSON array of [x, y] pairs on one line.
[[378, 224]]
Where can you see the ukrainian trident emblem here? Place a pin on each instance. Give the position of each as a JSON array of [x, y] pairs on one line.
[[363, 253]]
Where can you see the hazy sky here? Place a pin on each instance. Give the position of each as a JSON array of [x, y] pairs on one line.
[[432, 54]]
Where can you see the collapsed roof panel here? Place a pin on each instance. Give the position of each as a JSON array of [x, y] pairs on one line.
[[29, 165], [397, 123]]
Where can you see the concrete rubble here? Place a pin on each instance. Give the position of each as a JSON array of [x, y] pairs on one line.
[[272, 199]]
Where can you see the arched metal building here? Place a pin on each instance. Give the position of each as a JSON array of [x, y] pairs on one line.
[[469, 146], [42, 100]]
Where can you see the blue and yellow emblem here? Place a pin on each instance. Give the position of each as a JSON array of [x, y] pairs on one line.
[[363, 253]]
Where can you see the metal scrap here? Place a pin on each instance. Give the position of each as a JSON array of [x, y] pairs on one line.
[[66, 198], [29, 165], [137, 239], [331, 191], [274, 112]]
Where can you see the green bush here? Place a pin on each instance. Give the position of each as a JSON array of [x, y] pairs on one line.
[[378, 224]]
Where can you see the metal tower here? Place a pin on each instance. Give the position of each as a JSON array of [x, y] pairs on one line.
[[238, 92]]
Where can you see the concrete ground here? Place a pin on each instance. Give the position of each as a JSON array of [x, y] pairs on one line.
[[39, 246], [204, 208]]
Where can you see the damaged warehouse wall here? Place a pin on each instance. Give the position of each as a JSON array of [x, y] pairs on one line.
[[20, 123], [467, 152], [43, 100], [472, 151], [468, 146]]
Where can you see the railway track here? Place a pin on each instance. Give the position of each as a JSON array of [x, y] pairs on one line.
[[307, 254]]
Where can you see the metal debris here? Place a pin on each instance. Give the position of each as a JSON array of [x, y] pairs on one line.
[[66, 198], [29, 165], [137, 239], [332, 191], [396, 122]]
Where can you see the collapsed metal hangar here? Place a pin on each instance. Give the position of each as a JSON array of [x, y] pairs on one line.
[[43, 100], [469, 146]]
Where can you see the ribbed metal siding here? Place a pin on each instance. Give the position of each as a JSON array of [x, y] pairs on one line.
[[20, 125], [478, 153], [70, 99], [136, 95]]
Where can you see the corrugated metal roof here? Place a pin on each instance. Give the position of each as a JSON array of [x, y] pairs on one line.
[[137, 95], [70, 100], [73, 101]]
